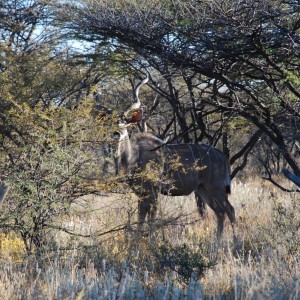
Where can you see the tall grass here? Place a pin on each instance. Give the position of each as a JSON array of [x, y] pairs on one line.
[[180, 260]]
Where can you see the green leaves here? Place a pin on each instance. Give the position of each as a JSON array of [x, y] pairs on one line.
[[183, 259]]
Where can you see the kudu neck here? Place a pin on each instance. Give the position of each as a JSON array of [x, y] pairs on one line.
[[124, 136], [125, 150]]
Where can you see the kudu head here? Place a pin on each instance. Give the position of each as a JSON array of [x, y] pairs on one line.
[[127, 152], [134, 112]]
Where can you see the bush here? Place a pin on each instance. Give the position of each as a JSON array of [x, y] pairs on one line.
[[182, 259], [49, 163]]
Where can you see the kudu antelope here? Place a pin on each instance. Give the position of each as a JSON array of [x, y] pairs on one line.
[[200, 168]]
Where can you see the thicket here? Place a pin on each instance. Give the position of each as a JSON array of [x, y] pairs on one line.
[[52, 139], [222, 69]]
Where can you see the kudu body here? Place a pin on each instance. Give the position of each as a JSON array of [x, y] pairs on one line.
[[154, 167]]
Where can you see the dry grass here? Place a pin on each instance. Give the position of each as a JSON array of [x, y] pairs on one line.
[[122, 264]]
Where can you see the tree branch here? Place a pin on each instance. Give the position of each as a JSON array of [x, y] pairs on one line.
[[269, 178]]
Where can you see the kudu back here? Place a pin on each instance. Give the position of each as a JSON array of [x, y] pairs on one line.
[[154, 167]]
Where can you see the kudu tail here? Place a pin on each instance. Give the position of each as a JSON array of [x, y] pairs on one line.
[[227, 189], [227, 179]]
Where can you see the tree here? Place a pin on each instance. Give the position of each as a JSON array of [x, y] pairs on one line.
[[48, 128], [245, 52]]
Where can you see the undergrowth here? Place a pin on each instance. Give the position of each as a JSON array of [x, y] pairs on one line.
[[177, 261]]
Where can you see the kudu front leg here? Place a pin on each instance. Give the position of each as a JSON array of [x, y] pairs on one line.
[[147, 207]]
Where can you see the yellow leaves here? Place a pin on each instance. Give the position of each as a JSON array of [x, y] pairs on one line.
[[175, 163], [199, 168], [238, 124], [104, 185], [56, 124], [11, 247]]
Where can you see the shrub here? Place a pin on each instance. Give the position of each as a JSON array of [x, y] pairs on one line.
[[183, 259]]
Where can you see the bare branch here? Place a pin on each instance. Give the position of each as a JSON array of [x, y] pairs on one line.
[[269, 178]]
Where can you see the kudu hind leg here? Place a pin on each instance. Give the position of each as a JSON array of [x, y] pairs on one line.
[[213, 198], [223, 207], [230, 213], [200, 204], [231, 216]]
